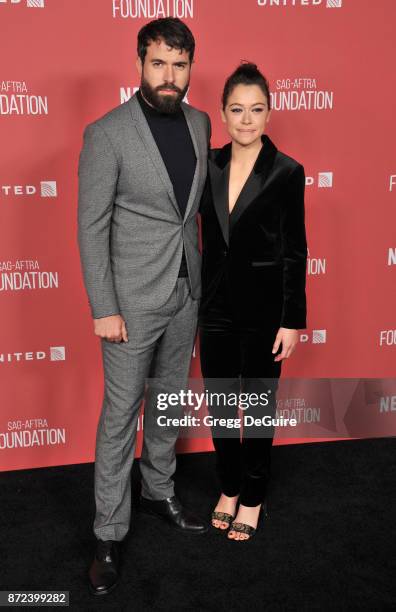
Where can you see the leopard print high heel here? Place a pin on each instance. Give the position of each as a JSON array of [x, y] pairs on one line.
[[224, 517], [248, 529]]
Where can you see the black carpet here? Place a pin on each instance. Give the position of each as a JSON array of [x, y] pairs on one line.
[[328, 544]]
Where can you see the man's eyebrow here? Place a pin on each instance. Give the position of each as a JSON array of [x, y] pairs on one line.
[[154, 59]]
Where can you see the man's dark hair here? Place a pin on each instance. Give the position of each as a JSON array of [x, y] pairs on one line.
[[246, 74], [171, 30]]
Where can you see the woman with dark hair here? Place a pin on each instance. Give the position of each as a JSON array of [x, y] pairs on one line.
[[253, 294]]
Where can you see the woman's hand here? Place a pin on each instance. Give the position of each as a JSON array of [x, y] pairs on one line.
[[289, 339]]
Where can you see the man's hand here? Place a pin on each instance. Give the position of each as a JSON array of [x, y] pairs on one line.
[[289, 339], [111, 328]]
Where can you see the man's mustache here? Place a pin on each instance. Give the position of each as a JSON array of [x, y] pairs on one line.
[[168, 87]]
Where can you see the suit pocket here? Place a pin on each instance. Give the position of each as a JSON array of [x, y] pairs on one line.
[[261, 264]]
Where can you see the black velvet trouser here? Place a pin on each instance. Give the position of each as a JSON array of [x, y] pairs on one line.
[[238, 358]]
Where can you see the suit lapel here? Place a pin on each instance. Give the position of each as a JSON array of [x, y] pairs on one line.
[[255, 183], [219, 179], [152, 149], [219, 170], [194, 137]]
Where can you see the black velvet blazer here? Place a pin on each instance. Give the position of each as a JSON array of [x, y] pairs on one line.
[[257, 255]]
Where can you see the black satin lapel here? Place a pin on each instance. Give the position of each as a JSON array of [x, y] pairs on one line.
[[250, 191], [256, 180], [219, 183]]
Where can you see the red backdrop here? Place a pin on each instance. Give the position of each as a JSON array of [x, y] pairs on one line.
[[64, 63]]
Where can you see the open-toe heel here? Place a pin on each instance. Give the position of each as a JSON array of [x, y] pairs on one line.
[[224, 517], [248, 529]]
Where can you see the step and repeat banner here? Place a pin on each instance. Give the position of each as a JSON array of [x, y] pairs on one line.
[[330, 64]]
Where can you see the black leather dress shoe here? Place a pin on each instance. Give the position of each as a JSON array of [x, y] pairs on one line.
[[103, 573], [172, 511]]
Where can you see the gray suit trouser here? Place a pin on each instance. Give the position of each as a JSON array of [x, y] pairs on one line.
[[159, 348]]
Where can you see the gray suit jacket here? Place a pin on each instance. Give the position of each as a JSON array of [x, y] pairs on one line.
[[130, 230]]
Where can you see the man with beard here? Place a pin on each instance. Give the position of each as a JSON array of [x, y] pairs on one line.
[[141, 175]]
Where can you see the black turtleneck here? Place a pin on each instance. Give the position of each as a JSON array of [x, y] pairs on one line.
[[173, 139]]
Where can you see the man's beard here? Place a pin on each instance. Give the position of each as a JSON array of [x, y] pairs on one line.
[[168, 104]]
